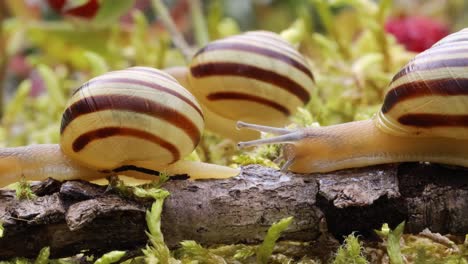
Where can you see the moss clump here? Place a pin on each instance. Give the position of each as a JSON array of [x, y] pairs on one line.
[[350, 252]]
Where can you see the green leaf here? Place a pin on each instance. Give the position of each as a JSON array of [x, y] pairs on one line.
[[66, 42], [228, 27], [384, 9], [296, 32], [325, 14], [43, 257], [2, 229], [393, 246], [110, 257], [16, 105], [52, 85], [110, 11], [274, 232], [244, 253], [97, 63], [199, 23], [384, 231]]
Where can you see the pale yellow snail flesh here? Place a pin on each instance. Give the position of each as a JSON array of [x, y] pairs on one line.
[[424, 117], [256, 77], [138, 122]]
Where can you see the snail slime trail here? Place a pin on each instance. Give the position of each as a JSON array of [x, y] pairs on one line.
[[424, 117], [139, 117]]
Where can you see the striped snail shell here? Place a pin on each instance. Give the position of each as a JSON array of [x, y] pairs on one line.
[[429, 96], [255, 76], [136, 114], [138, 122], [424, 117]]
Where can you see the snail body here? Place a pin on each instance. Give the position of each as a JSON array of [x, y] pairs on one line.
[[424, 117], [256, 76], [138, 121]]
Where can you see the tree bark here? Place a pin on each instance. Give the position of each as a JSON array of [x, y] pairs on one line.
[[77, 216]]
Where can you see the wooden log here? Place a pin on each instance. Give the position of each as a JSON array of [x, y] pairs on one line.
[[77, 216]]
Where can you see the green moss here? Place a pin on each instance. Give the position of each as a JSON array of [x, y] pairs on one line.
[[43, 257], [191, 252], [23, 190], [111, 257], [350, 252], [244, 253], [157, 251], [393, 244], [266, 248]]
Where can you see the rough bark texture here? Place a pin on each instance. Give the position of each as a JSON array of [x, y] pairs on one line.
[[74, 216]]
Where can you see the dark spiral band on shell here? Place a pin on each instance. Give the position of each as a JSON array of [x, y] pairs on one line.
[[126, 105], [253, 72], [122, 103], [422, 88], [429, 96], [281, 56], [282, 70]]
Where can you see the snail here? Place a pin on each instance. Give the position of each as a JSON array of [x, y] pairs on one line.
[[138, 122], [424, 117], [256, 76]]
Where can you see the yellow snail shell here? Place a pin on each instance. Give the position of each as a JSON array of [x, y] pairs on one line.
[[256, 76], [130, 115], [429, 96]]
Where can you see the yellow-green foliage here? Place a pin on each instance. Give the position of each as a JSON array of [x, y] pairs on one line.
[[274, 232], [244, 253], [43, 257], [157, 252], [111, 257], [192, 251], [426, 247], [393, 244], [353, 60], [350, 252], [23, 190]]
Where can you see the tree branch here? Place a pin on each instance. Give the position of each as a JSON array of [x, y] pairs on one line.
[[74, 216]]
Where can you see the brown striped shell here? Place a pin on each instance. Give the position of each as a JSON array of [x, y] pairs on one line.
[[429, 96], [256, 76], [136, 114]]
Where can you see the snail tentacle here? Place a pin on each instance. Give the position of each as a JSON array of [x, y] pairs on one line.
[[287, 138], [266, 129], [287, 164]]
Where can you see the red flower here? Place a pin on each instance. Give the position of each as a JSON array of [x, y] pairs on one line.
[[87, 10], [416, 33], [56, 4]]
